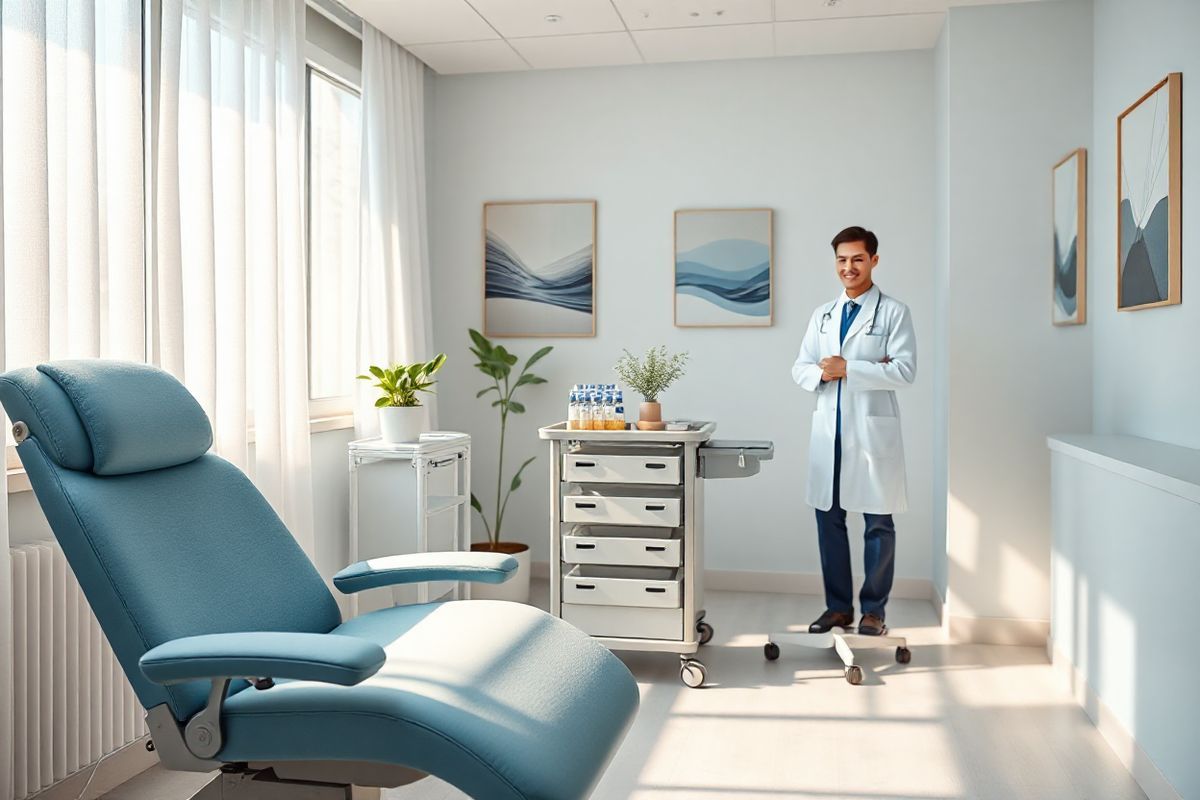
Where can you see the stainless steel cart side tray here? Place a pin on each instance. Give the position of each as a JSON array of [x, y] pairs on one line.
[[733, 458], [702, 433]]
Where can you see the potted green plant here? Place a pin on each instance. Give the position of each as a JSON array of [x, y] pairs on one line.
[[400, 418], [650, 376], [497, 364]]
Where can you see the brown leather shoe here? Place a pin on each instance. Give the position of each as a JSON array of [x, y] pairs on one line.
[[871, 625], [830, 620]]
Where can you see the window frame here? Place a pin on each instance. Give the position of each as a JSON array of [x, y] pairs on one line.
[[325, 413]]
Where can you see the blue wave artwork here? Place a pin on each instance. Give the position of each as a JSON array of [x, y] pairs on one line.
[[566, 282], [732, 274]]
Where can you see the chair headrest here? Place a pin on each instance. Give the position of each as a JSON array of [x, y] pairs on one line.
[[107, 417]]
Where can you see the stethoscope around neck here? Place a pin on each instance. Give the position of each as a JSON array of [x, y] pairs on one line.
[[828, 315]]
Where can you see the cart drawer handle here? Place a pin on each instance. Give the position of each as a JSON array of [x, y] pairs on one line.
[[655, 507], [584, 546], [585, 505], [585, 586], [656, 589], [655, 548], [585, 463], [655, 465]]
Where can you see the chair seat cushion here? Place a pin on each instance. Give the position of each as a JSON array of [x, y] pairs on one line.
[[499, 699]]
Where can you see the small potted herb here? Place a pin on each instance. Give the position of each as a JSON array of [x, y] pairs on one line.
[[650, 376], [399, 406]]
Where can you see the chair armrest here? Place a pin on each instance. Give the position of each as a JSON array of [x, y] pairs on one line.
[[421, 567], [328, 658]]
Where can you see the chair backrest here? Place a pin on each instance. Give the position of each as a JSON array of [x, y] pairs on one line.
[[166, 539]]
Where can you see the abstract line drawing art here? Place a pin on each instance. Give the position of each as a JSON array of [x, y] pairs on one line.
[[1149, 198], [723, 267], [539, 268], [1070, 239]]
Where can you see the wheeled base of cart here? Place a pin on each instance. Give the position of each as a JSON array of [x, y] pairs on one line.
[[844, 642]]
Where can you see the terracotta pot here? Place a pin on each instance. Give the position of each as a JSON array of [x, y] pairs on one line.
[[650, 417], [516, 588]]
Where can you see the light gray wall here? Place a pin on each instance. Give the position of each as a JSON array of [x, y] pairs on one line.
[[826, 142], [1019, 80], [941, 299], [1146, 380]]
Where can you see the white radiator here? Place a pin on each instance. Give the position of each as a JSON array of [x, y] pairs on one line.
[[72, 704]]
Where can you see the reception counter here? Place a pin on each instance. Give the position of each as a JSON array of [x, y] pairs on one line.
[[1125, 583]]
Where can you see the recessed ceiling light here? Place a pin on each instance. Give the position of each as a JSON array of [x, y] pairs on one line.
[[553, 18]]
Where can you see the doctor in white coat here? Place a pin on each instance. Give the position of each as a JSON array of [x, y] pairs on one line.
[[858, 349]]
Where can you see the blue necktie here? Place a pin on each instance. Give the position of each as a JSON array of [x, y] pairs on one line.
[[849, 312]]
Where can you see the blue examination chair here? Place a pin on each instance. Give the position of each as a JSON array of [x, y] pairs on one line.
[[236, 648]]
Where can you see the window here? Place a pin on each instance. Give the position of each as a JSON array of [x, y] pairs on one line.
[[334, 136], [334, 111]]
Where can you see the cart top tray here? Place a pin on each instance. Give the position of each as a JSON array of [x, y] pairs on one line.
[[699, 432]]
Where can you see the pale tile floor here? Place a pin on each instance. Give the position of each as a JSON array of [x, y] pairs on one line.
[[960, 721]]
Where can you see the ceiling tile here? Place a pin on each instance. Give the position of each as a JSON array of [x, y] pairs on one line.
[[515, 18], [858, 34], [452, 58], [582, 50], [821, 9], [423, 21], [705, 44], [647, 14]]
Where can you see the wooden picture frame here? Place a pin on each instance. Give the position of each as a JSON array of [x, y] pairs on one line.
[[535, 256], [1149, 236], [718, 258], [1068, 192]]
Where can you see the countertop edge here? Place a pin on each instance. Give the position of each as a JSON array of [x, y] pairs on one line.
[[1167, 467]]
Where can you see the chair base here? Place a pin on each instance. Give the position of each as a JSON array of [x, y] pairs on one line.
[[236, 783], [844, 642]]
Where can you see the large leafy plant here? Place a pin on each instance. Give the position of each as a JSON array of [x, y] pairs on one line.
[[400, 383], [497, 364], [650, 376]]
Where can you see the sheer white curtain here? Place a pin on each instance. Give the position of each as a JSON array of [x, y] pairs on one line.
[[71, 210], [228, 298], [393, 293]]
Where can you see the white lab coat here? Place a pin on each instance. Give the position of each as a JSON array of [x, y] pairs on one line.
[[872, 479]]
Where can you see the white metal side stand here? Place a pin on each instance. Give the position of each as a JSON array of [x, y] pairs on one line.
[[844, 642], [409, 497]]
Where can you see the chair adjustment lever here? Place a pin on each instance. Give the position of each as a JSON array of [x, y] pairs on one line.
[[202, 735]]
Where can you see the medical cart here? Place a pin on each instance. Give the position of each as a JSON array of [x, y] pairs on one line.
[[627, 533], [409, 497]]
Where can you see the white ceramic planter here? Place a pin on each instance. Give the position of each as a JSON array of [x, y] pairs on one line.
[[515, 589], [401, 423]]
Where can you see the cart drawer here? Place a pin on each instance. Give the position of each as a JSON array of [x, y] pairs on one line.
[[644, 587], [582, 468], [619, 622], [646, 547], [662, 512]]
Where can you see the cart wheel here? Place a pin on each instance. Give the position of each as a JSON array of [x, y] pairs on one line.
[[903, 655], [705, 630], [693, 673], [771, 651], [854, 675]]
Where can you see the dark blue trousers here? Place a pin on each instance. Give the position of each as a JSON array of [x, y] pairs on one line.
[[879, 553]]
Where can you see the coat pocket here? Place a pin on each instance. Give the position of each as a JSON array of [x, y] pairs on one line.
[[883, 437]]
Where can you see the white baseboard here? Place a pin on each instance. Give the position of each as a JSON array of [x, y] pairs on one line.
[[114, 769], [1140, 765], [999, 630], [735, 580]]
